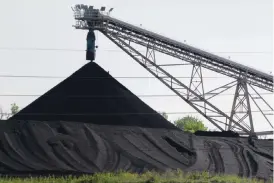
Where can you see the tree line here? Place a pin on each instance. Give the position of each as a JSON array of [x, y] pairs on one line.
[[14, 108]]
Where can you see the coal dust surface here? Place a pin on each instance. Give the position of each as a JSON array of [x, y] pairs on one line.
[[91, 95], [91, 123], [54, 147]]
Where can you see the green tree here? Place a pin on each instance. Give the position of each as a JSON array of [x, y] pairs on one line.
[[190, 124], [14, 109], [1, 113], [164, 114]]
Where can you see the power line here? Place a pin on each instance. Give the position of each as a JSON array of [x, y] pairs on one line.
[[111, 50], [118, 114], [40, 49], [111, 96], [119, 77]]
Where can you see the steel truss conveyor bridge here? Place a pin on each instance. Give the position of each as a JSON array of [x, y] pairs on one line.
[[123, 34]]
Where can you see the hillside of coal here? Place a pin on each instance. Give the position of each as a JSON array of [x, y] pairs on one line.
[[92, 95], [91, 123], [64, 148]]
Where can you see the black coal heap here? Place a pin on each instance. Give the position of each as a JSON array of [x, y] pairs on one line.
[[92, 95]]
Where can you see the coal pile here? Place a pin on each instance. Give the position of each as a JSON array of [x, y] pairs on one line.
[[217, 134], [63, 148], [91, 123], [91, 95]]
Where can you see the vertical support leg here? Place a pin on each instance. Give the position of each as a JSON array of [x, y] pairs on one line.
[[241, 108], [249, 107], [150, 52], [233, 107], [202, 87], [196, 81]]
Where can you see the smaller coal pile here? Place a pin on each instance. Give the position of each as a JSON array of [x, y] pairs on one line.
[[217, 134]]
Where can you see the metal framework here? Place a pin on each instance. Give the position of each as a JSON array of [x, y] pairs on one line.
[[123, 34], [241, 108]]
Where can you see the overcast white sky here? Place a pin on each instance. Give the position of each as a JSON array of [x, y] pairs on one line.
[[241, 29]]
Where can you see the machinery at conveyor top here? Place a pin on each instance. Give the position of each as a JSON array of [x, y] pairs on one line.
[[123, 34]]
